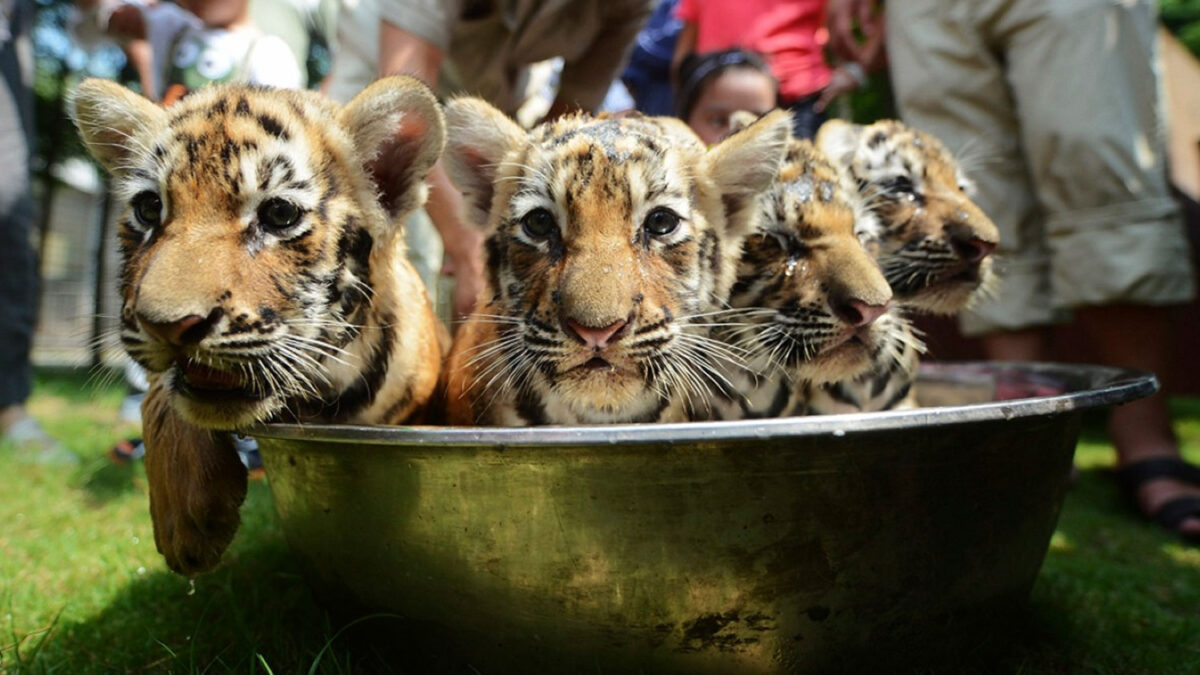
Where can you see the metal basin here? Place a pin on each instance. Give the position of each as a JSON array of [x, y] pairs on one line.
[[767, 546]]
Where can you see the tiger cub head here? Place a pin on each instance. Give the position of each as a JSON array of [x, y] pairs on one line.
[[933, 242], [608, 240], [260, 237], [807, 292]]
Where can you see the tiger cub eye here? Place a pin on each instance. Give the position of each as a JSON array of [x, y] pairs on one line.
[[538, 224], [147, 208], [660, 222], [278, 214]]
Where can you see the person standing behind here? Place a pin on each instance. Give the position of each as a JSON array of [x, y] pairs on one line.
[[791, 35], [1062, 97], [193, 43], [18, 264], [482, 47]]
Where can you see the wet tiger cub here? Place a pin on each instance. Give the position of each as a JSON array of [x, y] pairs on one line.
[[263, 275], [609, 240], [805, 304], [932, 242]]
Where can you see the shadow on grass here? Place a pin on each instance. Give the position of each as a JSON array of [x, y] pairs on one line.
[[1128, 587], [104, 481], [253, 614], [1116, 594]]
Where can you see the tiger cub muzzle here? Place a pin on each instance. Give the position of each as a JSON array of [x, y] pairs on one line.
[[938, 255], [812, 309]]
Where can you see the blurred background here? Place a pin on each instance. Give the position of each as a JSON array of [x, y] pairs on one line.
[[75, 245]]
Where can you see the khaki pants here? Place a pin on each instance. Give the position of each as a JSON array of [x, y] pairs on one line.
[[1053, 108]]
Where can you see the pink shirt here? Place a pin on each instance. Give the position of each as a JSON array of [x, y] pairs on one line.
[[790, 33]]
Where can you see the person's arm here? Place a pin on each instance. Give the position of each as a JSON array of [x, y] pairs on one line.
[[404, 52], [586, 79], [684, 45], [141, 57], [842, 16]]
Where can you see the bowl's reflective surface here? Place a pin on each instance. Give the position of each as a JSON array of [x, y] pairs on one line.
[[766, 546]]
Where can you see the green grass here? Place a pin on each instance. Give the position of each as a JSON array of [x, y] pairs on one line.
[[82, 589]]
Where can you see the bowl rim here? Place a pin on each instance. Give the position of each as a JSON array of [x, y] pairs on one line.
[[1105, 386]]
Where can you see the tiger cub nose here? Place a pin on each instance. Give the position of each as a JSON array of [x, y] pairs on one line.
[[858, 313], [189, 330], [972, 249], [596, 338]]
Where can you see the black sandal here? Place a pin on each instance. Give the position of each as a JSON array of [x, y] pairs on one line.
[[1172, 513]]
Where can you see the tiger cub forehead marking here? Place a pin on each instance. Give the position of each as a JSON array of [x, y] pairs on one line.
[[621, 163], [222, 154], [809, 198], [891, 148]]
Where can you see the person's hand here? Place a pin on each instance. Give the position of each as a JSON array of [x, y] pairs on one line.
[[841, 18], [846, 78], [463, 260]]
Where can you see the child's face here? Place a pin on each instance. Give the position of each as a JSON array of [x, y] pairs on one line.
[[218, 13], [733, 90]]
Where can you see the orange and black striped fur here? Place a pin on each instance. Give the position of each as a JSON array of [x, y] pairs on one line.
[[609, 243], [933, 243], [263, 274], [807, 294]]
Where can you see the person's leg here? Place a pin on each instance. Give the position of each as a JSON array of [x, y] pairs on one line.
[[18, 263], [18, 277], [1095, 152], [1030, 344], [1138, 337], [948, 82]]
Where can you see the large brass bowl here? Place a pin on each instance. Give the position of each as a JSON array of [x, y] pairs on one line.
[[771, 546]]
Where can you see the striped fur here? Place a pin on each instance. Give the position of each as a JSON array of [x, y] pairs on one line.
[[797, 272], [323, 320], [263, 272], [628, 224], [932, 241], [886, 385]]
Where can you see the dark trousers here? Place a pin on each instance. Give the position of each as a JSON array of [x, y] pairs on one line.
[[18, 263]]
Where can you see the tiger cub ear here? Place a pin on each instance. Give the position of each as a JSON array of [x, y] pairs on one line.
[[480, 138], [838, 139], [398, 131], [110, 119], [745, 164]]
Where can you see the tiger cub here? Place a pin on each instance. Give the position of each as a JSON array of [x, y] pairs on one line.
[[808, 303], [263, 275], [932, 242], [609, 240]]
